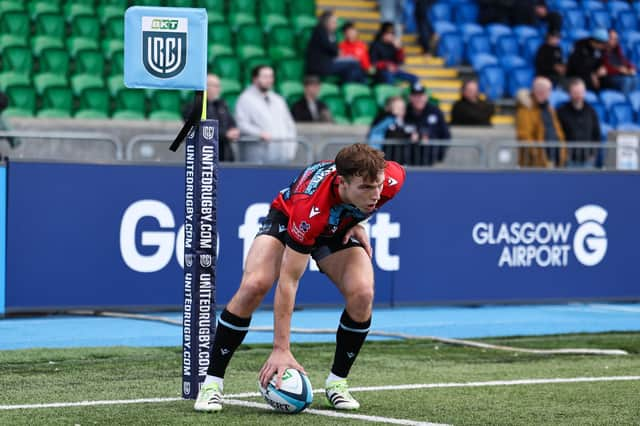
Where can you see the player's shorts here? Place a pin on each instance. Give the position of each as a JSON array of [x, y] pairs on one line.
[[275, 225]]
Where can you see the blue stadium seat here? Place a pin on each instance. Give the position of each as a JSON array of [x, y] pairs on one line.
[[567, 48], [507, 45], [468, 30], [591, 97], [574, 18], [558, 97], [628, 39], [610, 97], [408, 16], [496, 30], [616, 6], [635, 54], [481, 60], [523, 32], [531, 46], [589, 5], [478, 43], [634, 99], [510, 62], [492, 81], [564, 4], [601, 111], [599, 18], [578, 34], [466, 13], [626, 21], [636, 7], [519, 78], [628, 127], [442, 27], [620, 113], [440, 12], [605, 128], [451, 48]]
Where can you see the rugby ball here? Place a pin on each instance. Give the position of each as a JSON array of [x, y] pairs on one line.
[[294, 395]]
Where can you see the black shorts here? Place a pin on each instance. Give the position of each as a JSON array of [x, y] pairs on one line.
[[276, 222]]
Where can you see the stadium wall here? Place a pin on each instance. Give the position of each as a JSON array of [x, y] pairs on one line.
[[110, 237]]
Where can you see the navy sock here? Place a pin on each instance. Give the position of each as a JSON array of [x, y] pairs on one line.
[[349, 339], [230, 333]]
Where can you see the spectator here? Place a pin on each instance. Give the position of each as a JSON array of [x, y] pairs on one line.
[[580, 123], [586, 61], [392, 11], [310, 108], [621, 73], [430, 124], [4, 103], [470, 110], [322, 53], [549, 61], [427, 38], [537, 123], [387, 55], [391, 125], [264, 115], [531, 12], [353, 47], [217, 109], [495, 11]]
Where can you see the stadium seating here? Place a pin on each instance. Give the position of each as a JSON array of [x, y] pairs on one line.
[[478, 44], [574, 18], [440, 12], [466, 13], [519, 78], [481, 60], [599, 18], [492, 81], [620, 113], [610, 97], [634, 100], [363, 110], [469, 29], [451, 48], [558, 97], [338, 108], [530, 47], [601, 111], [507, 45], [352, 91]]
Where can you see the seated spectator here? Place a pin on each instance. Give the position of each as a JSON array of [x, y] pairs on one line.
[[353, 47], [217, 109], [387, 56], [586, 60], [264, 116], [430, 123], [322, 53], [579, 123], [392, 11], [391, 125], [518, 12], [549, 61], [427, 38], [470, 110], [310, 108], [537, 123], [621, 73]]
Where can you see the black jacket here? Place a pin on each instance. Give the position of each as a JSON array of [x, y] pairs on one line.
[[579, 126], [218, 110], [321, 51], [466, 113], [546, 58], [584, 61], [301, 113]]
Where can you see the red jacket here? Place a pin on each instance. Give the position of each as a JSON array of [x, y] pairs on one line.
[[614, 59], [358, 49]]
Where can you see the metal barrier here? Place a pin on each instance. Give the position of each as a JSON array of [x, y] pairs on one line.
[[62, 145], [437, 153], [154, 148]]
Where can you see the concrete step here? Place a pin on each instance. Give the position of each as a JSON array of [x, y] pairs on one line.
[[423, 60], [449, 96], [347, 4], [449, 73], [503, 120], [359, 15], [434, 84]]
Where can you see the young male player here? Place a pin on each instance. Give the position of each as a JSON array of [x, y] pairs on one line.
[[317, 215]]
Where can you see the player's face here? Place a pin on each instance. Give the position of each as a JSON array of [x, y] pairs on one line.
[[362, 193]]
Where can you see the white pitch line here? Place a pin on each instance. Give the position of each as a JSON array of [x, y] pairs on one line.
[[614, 308], [355, 389], [327, 413]]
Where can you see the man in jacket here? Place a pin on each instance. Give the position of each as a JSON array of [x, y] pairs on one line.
[[537, 123], [310, 108], [549, 61], [586, 61], [470, 110], [430, 124]]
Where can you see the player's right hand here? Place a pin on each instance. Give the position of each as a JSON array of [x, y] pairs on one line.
[[278, 362]]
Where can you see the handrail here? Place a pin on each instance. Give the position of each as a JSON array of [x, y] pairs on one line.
[[83, 136]]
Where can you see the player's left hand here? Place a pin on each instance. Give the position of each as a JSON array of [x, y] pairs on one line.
[[278, 362], [359, 234]]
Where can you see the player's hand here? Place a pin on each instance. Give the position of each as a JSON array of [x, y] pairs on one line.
[[361, 235], [233, 133], [278, 362], [265, 136]]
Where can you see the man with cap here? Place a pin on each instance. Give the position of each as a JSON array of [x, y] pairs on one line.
[[586, 61], [430, 122]]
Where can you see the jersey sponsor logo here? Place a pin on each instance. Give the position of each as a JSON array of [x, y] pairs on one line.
[[300, 230], [164, 46], [391, 181], [314, 212]]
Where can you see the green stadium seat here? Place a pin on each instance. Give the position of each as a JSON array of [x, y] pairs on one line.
[[226, 67], [281, 36], [248, 52], [16, 112], [290, 69], [22, 97], [216, 51], [115, 84], [43, 81], [112, 47], [229, 86], [292, 91], [9, 40], [85, 26], [37, 8], [90, 114], [354, 90], [278, 53], [51, 25], [179, 3], [78, 44], [10, 78], [383, 91], [302, 40], [114, 28], [162, 115], [219, 34], [302, 14], [18, 59], [165, 100], [231, 98], [58, 98], [249, 35], [131, 99], [329, 89], [363, 110], [53, 113], [73, 9], [11, 6], [55, 60], [242, 12], [15, 23], [126, 114], [109, 11], [43, 42], [90, 62], [273, 13], [95, 98], [116, 64], [215, 10], [338, 108], [123, 4], [82, 82]]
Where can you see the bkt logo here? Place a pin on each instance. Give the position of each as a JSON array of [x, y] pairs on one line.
[[159, 245], [164, 46]]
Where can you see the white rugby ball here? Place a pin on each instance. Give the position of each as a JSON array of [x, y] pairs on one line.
[[294, 395]]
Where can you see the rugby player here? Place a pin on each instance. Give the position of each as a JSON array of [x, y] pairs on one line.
[[318, 215]]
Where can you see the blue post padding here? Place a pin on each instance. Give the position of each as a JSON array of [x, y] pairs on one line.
[[165, 48], [3, 235]]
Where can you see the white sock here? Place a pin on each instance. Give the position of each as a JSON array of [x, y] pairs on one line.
[[333, 378], [214, 379]]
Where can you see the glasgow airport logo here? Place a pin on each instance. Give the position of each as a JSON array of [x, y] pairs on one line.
[[164, 45], [547, 244]]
